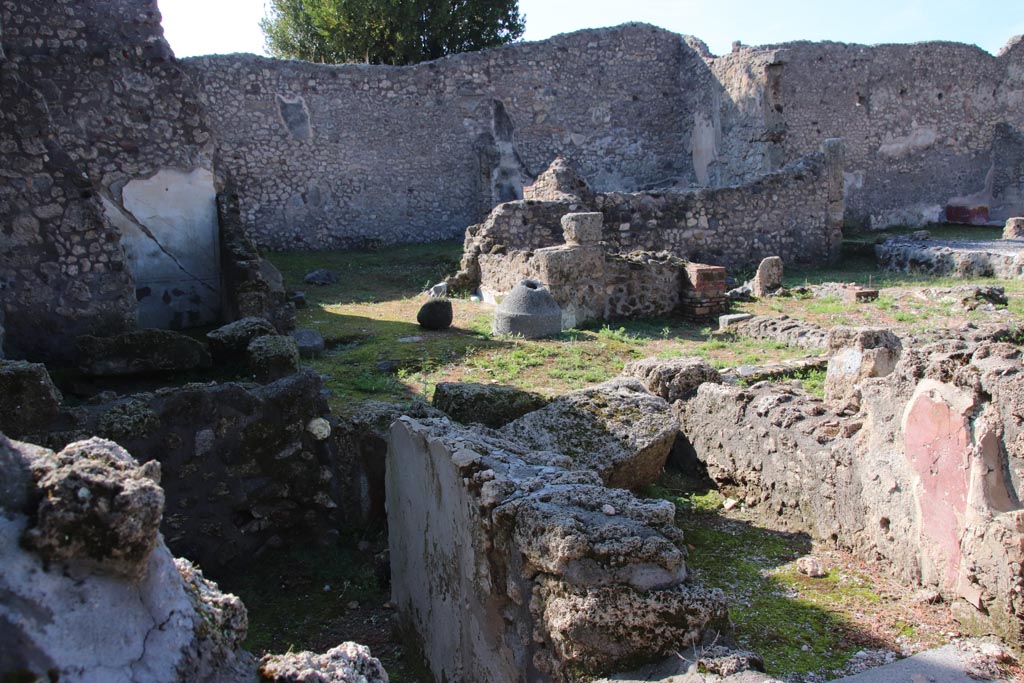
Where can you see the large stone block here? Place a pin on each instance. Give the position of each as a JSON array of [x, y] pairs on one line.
[[617, 429], [672, 378], [1014, 228], [506, 564], [857, 354], [582, 229], [28, 399]]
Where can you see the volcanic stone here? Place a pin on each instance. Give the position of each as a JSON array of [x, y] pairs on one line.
[[436, 314]]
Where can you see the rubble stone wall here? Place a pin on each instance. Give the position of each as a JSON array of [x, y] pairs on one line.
[[62, 269], [926, 477], [923, 124], [126, 114], [342, 156], [246, 468]]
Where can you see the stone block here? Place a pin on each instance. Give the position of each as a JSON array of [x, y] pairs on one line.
[[29, 401], [1014, 228], [618, 429], [857, 354], [233, 338], [768, 278], [141, 352], [582, 229], [568, 265], [672, 378], [727, 321], [859, 294], [310, 342], [487, 404], [272, 357]]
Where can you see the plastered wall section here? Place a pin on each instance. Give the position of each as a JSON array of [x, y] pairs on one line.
[[126, 113]]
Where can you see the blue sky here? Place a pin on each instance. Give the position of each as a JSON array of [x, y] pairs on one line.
[[196, 27]]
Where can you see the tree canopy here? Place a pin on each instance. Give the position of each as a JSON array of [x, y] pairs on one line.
[[387, 31]]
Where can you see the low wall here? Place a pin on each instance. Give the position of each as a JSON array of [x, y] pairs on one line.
[[925, 478], [483, 568], [246, 468], [795, 213]]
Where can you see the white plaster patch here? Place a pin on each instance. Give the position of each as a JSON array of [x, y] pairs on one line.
[[705, 151], [171, 239], [97, 628], [917, 140]]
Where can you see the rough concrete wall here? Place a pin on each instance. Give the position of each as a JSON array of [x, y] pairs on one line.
[[338, 156], [62, 269], [512, 568], [124, 111], [919, 121]]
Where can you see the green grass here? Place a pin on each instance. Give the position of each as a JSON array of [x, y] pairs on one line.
[[377, 351], [795, 625], [371, 276]]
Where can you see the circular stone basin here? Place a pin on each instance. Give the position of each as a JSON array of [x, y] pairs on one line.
[[530, 311]]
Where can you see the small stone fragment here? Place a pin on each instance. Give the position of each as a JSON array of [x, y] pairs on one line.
[[730, 503], [319, 428], [810, 566], [320, 277]]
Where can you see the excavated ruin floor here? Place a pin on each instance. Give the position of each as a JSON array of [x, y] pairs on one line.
[[314, 598], [807, 629]]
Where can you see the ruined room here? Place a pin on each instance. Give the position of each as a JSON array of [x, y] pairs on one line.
[[592, 357]]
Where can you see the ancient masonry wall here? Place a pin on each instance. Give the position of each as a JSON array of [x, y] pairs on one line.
[[61, 266], [341, 156], [922, 123], [123, 110], [795, 213]]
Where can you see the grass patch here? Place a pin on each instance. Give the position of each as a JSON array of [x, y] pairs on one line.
[[378, 352]]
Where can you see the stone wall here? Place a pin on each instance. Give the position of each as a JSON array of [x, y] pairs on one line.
[[922, 474], [343, 156], [62, 270], [124, 111], [794, 213], [921, 123], [247, 468], [512, 567]]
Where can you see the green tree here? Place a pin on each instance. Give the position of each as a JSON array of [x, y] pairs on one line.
[[387, 31]]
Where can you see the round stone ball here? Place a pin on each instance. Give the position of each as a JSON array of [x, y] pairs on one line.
[[436, 314]]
